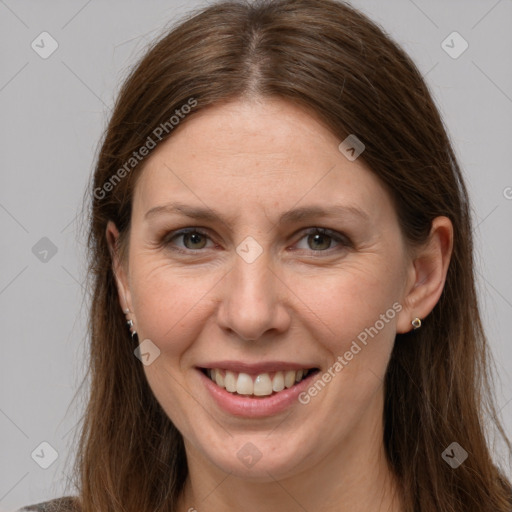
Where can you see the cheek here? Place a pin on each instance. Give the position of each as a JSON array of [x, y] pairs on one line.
[[356, 314], [357, 302], [169, 303]]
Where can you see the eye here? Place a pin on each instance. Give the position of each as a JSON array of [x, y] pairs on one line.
[[317, 239], [321, 239], [194, 239]]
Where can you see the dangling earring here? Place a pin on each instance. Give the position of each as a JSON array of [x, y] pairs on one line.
[[416, 323], [129, 322]]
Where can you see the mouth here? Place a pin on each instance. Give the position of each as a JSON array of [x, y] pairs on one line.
[[261, 385]]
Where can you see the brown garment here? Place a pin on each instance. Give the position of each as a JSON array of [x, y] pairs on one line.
[[66, 504]]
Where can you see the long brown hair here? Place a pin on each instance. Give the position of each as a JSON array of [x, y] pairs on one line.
[[325, 57]]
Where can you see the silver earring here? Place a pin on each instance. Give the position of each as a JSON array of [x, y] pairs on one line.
[[133, 331], [416, 323]]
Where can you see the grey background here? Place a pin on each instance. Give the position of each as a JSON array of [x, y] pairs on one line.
[[53, 112]]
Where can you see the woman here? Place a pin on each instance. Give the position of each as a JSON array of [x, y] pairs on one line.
[[284, 313]]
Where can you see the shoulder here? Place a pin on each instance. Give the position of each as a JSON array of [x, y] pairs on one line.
[[66, 504]]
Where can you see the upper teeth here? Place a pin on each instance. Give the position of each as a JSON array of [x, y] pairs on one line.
[[263, 384]]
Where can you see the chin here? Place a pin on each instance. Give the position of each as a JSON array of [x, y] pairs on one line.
[[257, 464], [260, 457]]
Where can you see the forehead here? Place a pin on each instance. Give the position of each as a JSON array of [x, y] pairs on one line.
[[259, 156]]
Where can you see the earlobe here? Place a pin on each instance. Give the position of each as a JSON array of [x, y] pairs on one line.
[[112, 235], [427, 275]]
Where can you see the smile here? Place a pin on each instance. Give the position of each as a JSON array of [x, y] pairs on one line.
[[262, 384]]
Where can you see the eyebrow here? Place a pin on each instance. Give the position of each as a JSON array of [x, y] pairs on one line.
[[289, 217]]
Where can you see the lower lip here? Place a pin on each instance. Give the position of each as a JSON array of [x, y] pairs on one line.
[[251, 407]]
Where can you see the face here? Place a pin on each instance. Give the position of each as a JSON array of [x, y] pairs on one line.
[[299, 265]]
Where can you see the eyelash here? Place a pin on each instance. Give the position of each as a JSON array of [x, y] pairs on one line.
[[338, 237]]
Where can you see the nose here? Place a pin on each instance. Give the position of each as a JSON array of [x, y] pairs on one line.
[[253, 303]]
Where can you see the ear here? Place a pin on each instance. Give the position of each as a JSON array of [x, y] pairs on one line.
[[427, 274], [118, 267]]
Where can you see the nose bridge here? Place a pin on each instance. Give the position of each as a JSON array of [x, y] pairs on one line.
[[252, 283], [253, 278], [251, 265], [250, 304]]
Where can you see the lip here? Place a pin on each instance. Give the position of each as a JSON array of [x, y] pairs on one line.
[[257, 368], [251, 407]]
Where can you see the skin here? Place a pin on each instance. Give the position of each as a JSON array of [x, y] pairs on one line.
[[301, 301]]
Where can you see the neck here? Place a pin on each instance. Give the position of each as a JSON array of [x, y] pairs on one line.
[[355, 477]]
